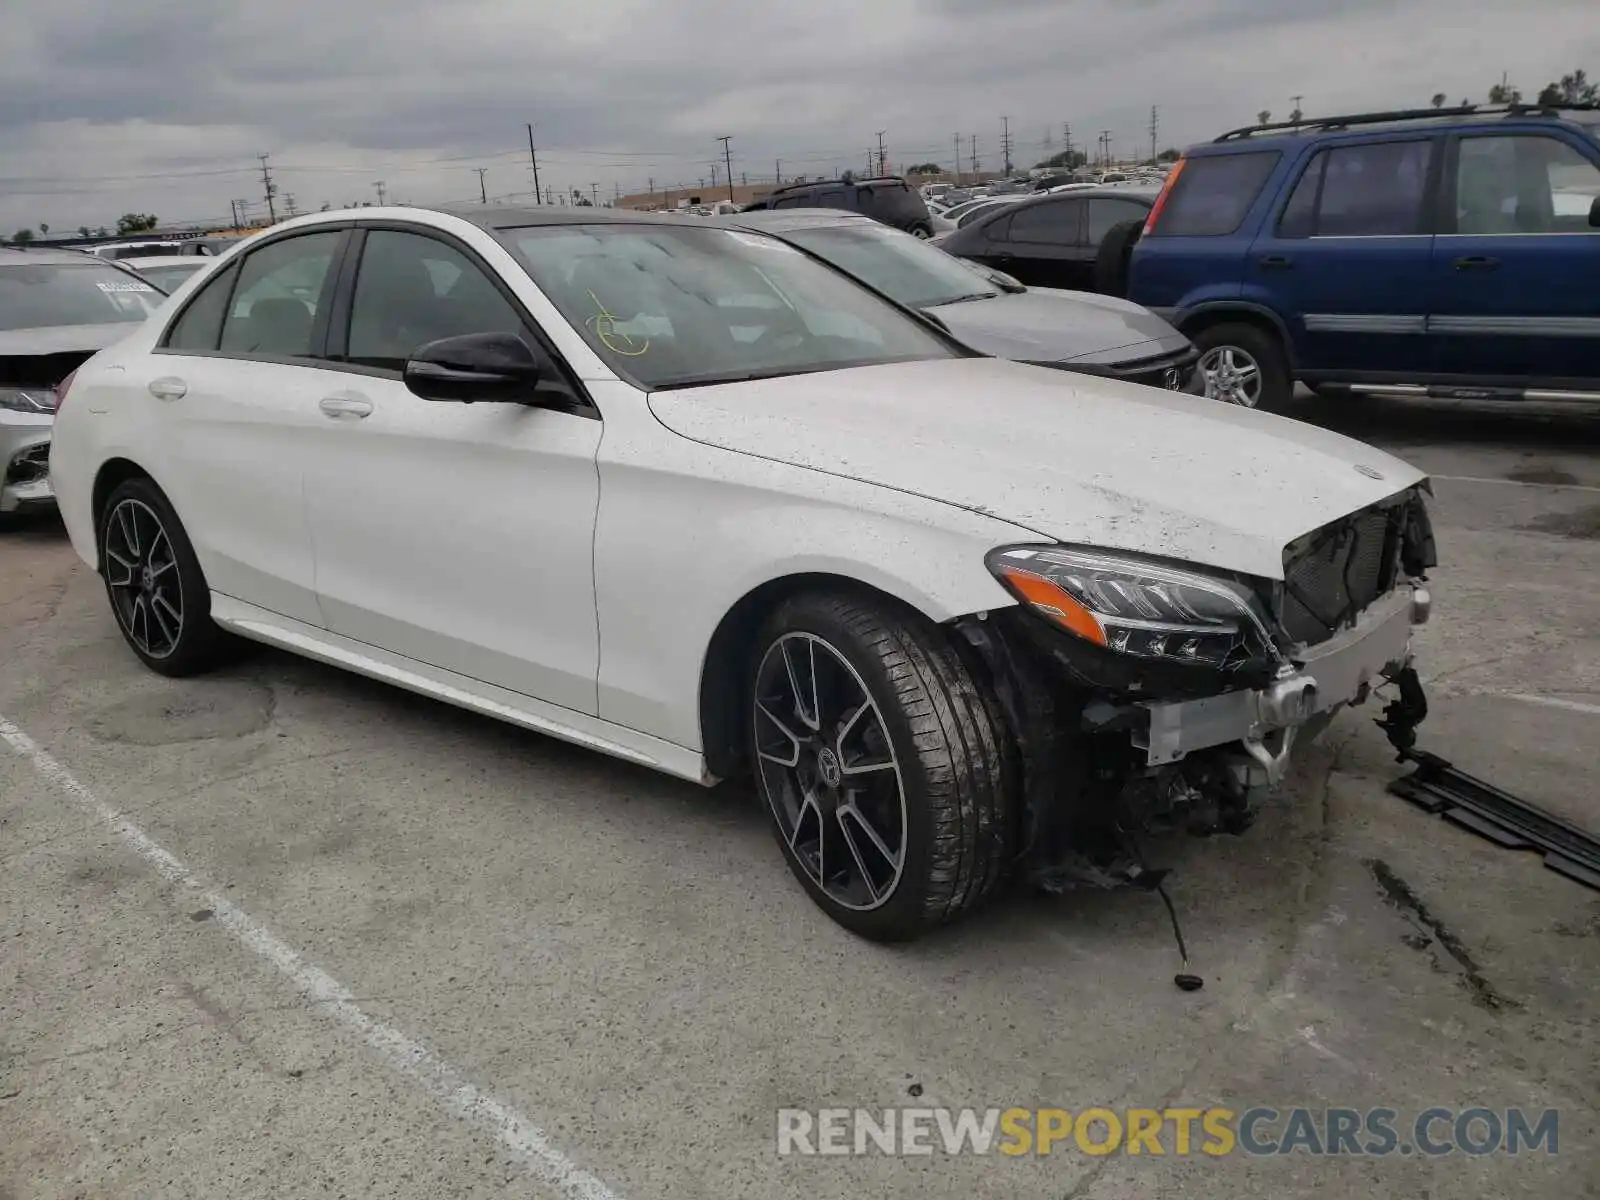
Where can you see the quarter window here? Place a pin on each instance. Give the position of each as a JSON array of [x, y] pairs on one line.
[[274, 308], [197, 331], [1523, 183], [412, 289]]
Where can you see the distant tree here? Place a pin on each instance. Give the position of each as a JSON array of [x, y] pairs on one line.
[[1170, 154], [1504, 93], [1438, 99], [847, 177], [43, 228], [1571, 89], [1264, 117], [83, 231], [1294, 117], [1069, 160], [135, 222], [927, 168], [22, 237], [102, 232]]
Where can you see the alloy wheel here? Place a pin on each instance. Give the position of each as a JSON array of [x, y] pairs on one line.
[[1231, 375], [829, 771], [142, 575]]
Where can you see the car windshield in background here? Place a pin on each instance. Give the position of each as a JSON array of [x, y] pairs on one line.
[[170, 275], [899, 265], [41, 295], [1214, 192], [676, 306]]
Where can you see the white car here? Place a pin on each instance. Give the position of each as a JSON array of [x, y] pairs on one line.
[[688, 496], [167, 271]]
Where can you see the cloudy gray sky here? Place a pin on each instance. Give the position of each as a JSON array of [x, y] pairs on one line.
[[163, 105]]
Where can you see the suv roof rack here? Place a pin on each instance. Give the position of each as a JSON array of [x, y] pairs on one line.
[[791, 187], [1406, 114]]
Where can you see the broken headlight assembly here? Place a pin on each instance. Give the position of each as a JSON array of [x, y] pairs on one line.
[[1139, 607]]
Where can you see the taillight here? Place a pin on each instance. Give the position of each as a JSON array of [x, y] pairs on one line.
[[61, 389], [1161, 200]]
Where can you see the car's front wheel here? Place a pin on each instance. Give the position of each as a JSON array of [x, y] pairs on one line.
[[884, 762], [157, 590]]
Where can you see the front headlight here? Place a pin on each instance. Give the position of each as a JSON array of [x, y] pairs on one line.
[[28, 400], [1134, 606]]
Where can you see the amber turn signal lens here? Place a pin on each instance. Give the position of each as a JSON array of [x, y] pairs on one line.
[[1054, 603]]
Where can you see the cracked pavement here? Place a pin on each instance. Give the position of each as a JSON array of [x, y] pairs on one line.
[[624, 958]]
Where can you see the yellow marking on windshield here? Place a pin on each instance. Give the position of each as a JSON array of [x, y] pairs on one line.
[[605, 328]]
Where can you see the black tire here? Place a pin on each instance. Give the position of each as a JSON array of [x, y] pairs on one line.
[[921, 231], [196, 643], [954, 765], [1114, 259], [1277, 385]]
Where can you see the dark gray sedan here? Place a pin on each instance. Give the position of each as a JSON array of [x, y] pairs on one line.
[[986, 309]]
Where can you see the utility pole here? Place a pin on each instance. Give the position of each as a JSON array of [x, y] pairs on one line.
[[777, 171], [233, 206], [974, 159], [727, 159], [1297, 114], [533, 157], [379, 186], [652, 189], [882, 168], [268, 187], [288, 202], [1066, 142], [958, 159], [594, 195], [1155, 125], [483, 191], [1105, 142], [713, 167], [1005, 144]]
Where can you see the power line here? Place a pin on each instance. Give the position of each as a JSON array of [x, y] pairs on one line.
[[1005, 143], [269, 188], [533, 157], [727, 158], [483, 191], [882, 164], [1155, 124]]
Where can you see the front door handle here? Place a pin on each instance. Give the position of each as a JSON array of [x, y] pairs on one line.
[[344, 406], [1276, 261], [168, 387], [1477, 262]]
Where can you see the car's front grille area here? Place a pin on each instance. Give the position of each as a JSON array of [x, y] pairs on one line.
[[1172, 372], [1332, 576]]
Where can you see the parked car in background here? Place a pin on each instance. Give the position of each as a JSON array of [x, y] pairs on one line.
[[201, 247], [989, 311], [57, 307], [956, 617], [166, 272], [889, 199], [1432, 252], [1053, 240]]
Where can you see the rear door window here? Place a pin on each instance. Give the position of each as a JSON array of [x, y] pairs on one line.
[[1055, 223], [1214, 192], [1374, 189]]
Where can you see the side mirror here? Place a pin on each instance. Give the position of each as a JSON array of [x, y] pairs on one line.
[[1594, 213], [490, 367], [1006, 283]]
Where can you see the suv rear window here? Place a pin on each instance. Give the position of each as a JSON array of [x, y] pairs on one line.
[[1212, 195], [892, 203]]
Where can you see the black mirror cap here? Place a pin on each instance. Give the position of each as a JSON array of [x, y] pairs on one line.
[[1594, 213], [490, 367]]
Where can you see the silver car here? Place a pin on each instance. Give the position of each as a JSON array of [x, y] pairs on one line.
[[988, 310], [57, 307]]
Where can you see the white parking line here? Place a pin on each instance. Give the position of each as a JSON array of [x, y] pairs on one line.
[[445, 1083], [1567, 487], [1555, 702]]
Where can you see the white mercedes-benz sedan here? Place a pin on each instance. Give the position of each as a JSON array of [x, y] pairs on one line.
[[689, 496]]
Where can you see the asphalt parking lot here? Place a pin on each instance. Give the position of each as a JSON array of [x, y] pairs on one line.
[[287, 932]]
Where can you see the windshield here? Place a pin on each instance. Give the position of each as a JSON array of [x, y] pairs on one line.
[[900, 266], [674, 305], [40, 295], [170, 275]]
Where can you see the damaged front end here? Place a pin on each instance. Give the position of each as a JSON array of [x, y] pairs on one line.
[[1148, 696]]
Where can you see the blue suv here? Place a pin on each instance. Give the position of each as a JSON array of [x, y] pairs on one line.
[[1436, 252]]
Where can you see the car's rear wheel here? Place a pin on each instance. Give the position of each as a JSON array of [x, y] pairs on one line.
[[922, 231], [884, 762], [1244, 365], [158, 592]]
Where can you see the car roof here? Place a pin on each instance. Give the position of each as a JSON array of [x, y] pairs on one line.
[[15, 257], [1120, 191], [1282, 134], [193, 261], [783, 220], [494, 217]]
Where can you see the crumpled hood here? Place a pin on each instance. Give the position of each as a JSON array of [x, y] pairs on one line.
[[56, 339], [1072, 457], [1051, 325]]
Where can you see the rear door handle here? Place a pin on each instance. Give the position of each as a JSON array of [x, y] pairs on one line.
[[1477, 262], [344, 406], [1276, 261], [168, 387]]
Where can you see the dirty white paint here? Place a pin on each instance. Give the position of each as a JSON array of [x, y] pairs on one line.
[[1555, 702], [410, 1058]]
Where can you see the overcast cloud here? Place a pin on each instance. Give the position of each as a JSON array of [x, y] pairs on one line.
[[163, 106]]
